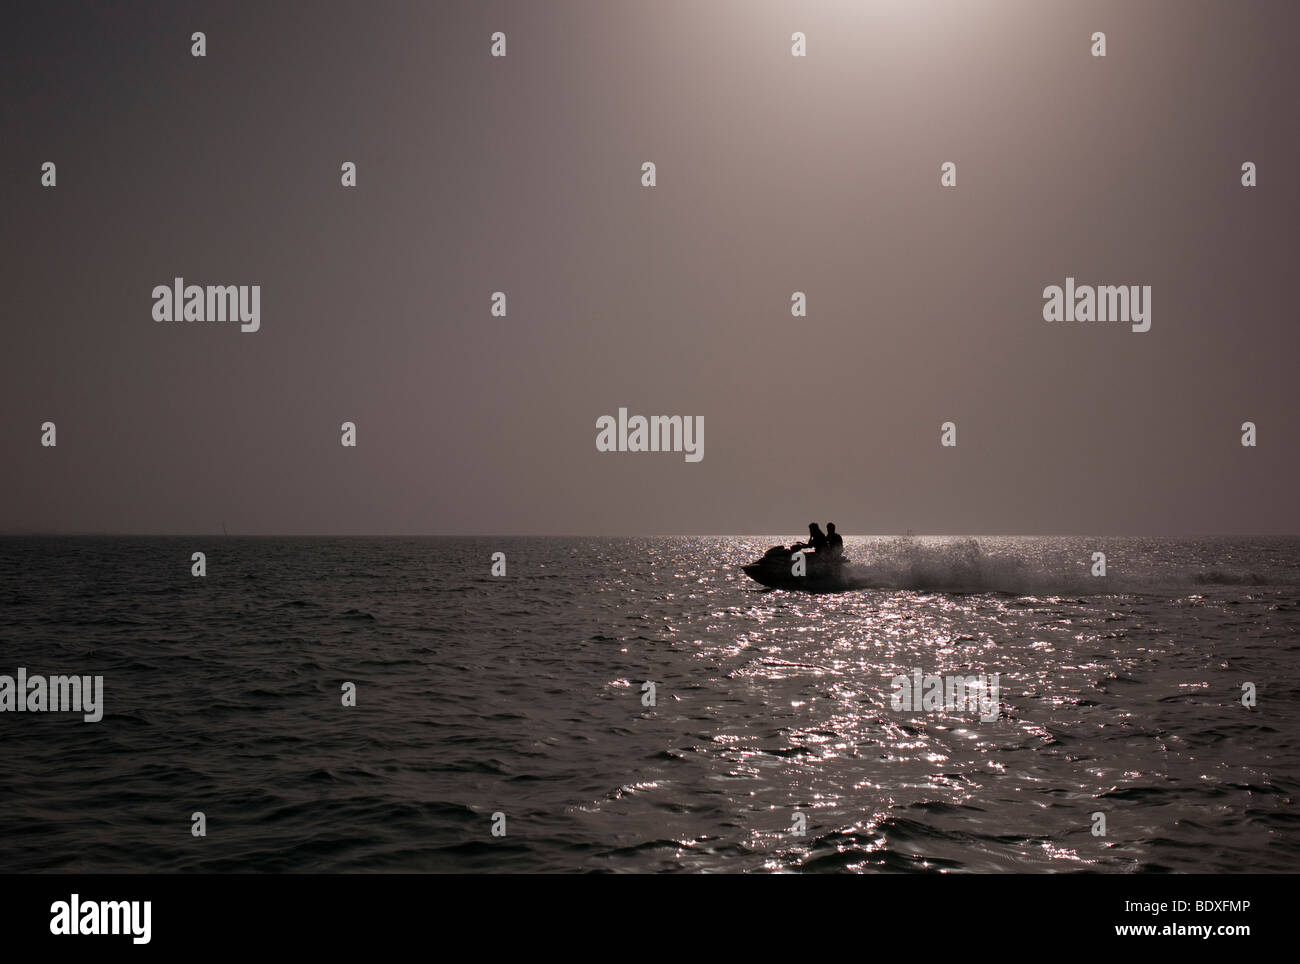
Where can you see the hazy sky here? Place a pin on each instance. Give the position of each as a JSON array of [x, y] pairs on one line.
[[775, 174]]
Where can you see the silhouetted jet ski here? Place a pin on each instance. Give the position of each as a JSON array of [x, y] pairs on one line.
[[824, 573]]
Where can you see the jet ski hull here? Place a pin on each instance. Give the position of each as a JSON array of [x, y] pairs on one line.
[[774, 571]]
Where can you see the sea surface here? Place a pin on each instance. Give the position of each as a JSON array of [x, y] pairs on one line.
[[524, 696]]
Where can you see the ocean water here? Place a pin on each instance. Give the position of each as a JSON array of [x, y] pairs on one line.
[[523, 695]]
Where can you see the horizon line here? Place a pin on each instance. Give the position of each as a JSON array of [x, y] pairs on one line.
[[28, 534]]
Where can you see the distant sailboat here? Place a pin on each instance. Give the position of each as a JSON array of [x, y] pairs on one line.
[[223, 530]]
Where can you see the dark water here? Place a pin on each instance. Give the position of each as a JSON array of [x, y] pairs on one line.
[[522, 695]]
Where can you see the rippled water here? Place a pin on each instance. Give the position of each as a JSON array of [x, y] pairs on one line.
[[523, 695]]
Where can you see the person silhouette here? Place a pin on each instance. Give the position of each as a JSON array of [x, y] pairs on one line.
[[817, 538], [834, 541]]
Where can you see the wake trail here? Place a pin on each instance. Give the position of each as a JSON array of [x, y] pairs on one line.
[[967, 567]]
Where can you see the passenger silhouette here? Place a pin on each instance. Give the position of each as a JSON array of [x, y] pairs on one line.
[[817, 538], [835, 541]]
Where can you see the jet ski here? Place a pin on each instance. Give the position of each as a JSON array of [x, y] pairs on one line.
[[823, 572]]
